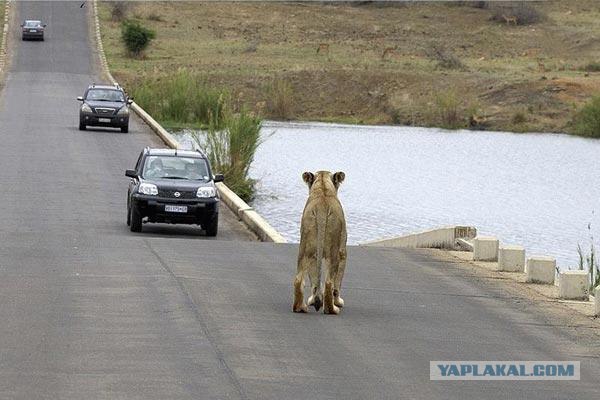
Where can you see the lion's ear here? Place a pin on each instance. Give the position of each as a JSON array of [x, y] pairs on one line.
[[309, 178], [338, 178]]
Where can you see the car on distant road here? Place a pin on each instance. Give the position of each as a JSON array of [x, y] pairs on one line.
[[32, 29], [173, 186], [104, 105]]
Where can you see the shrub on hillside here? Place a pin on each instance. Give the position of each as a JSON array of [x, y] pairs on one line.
[[448, 110], [445, 57], [280, 95], [469, 3], [587, 121], [593, 66], [155, 17], [136, 37], [524, 13], [118, 10]]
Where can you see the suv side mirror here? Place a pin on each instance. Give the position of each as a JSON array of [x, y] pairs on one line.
[[131, 173], [130, 100], [218, 178], [45, 25], [80, 98]]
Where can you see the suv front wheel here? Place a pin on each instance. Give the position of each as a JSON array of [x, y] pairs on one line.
[[211, 226], [135, 220]]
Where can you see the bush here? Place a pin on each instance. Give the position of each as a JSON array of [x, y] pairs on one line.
[[587, 121], [474, 4], [279, 99], [155, 17], [448, 110], [592, 67], [231, 151], [119, 10], [524, 13], [135, 36], [444, 57], [519, 118]]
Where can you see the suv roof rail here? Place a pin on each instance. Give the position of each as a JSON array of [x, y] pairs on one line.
[[199, 150]]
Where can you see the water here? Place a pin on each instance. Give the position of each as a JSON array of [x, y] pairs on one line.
[[537, 190]]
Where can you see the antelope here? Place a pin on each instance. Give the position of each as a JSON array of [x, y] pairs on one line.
[[510, 20], [541, 66], [388, 51], [323, 48]]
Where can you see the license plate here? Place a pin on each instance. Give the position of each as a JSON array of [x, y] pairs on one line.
[[33, 31], [176, 209], [104, 120]]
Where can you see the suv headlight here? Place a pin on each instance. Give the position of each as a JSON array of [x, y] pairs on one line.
[[123, 111], [148, 188], [204, 192], [86, 108]]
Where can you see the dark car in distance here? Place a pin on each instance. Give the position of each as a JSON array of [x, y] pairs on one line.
[[104, 105], [173, 186], [32, 29]]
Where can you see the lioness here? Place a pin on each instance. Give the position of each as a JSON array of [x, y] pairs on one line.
[[322, 239]]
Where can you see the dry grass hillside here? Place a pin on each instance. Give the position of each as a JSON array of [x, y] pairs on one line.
[[433, 64]]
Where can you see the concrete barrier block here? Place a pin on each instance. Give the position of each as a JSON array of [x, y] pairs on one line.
[[511, 258], [541, 270], [485, 248], [573, 285], [597, 301]]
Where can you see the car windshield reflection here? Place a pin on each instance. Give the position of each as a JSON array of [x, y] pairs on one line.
[[172, 167]]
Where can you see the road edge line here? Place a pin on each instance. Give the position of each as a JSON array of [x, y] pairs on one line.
[[254, 221]]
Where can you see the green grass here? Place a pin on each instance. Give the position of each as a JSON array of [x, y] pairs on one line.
[[183, 99], [587, 120]]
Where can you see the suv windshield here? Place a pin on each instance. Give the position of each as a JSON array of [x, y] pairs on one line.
[[105, 95], [173, 167]]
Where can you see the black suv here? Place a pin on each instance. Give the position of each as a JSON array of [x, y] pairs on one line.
[[173, 186], [104, 105]]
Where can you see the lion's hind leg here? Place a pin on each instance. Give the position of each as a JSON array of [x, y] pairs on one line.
[[299, 306], [328, 304], [337, 298], [316, 296]]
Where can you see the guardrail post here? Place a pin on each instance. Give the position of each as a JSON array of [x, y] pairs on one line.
[[485, 248], [511, 258], [541, 270], [573, 285]]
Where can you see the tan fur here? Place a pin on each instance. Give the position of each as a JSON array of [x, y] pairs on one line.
[[323, 48], [322, 240], [389, 51], [510, 20]]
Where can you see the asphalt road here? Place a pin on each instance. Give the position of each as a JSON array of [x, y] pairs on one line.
[[89, 310]]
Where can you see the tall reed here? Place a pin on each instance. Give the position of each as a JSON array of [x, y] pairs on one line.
[[231, 150]]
